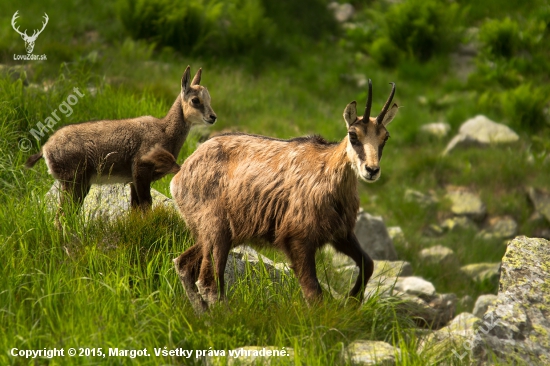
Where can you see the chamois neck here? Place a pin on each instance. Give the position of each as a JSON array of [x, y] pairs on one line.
[[339, 165], [175, 125], [175, 119]]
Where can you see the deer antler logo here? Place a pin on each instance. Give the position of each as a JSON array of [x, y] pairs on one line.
[[29, 40]]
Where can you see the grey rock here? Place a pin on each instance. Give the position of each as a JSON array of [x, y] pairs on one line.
[[439, 255], [458, 223], [108, 201], [417, 286], [481, 131], [482, 271], [430, 313], [466, 203], [346, 276], [244, 260], [482, 304], [519, 327], [342, 12], [451, 337], [541, 201], [364, 352], [437, 129], [500, 228], [374, 238], [429, 310], [424, 200]]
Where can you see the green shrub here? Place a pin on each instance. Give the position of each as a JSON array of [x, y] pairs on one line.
[[423, 28], [225, 28], [384, 52], [525, 105], [183, 25], [500, 38]]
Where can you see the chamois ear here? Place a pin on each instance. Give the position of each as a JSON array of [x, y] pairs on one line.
[[390, 114], [185, 80], [350, 113], [197, 78]]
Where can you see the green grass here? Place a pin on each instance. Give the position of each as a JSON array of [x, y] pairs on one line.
[[113, 284]]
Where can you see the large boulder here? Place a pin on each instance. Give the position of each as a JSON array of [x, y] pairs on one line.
[[362, 352], [374, 238], [481, 131], [108, 201], [520, 327]]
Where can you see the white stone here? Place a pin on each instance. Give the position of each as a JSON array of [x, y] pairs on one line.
[[437, 129], [415, 286], [481, 131]]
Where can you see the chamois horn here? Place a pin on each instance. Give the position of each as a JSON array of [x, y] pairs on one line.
[[366, 116], [382, 114]]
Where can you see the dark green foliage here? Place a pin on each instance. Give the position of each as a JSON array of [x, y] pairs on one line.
[[409, 30], [423, 28], [384, 52], [525, 106], [500, 38], [232, 28]]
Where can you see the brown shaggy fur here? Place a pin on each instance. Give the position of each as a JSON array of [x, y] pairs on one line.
[[296, 195], [119, 151]]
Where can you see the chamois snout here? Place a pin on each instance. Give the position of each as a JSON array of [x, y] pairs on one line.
[[373, 173], [212, 119]]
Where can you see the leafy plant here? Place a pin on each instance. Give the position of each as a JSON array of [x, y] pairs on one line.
[[500, 38], [525, 107], [423, 28]]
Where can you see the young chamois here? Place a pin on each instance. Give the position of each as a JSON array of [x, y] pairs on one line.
[[297, 195], [135, 150]]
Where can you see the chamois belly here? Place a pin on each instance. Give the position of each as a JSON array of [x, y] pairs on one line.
[[109, 179]]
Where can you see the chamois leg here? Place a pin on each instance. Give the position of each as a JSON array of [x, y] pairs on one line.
[[188, 266], [303, 264], [211, 283], [350, 246], [71, 197], [142, 176]]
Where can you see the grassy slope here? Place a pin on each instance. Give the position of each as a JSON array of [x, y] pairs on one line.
[[113, 285]]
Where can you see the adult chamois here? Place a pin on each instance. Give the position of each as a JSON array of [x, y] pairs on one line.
[[128, 150], [296, 195]]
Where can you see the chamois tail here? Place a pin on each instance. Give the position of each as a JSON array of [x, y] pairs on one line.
[[33, 159]]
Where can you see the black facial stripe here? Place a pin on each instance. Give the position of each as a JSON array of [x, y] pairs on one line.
[[380, 149]]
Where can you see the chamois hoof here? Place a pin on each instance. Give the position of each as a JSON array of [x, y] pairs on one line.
[[198, 304], [209, 296]]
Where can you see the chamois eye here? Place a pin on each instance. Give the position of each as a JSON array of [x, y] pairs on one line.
[[196, 100]]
